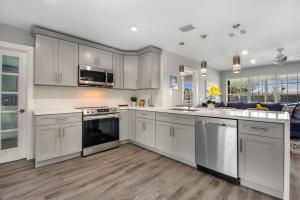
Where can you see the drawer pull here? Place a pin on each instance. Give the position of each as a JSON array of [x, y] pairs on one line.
[[241, 145]]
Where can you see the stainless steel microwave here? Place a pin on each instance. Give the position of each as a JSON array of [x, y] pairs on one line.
[[93, 76]]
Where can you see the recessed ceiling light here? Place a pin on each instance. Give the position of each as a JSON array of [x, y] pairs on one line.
[[181, 43], [134, 29], [253, 61], [244, 52]]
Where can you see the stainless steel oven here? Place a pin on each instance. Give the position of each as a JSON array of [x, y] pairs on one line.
[[93, 76], [100, 129]]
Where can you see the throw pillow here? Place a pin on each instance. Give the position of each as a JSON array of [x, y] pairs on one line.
[[289, 109]]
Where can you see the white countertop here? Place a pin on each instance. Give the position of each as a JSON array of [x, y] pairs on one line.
[[56, 111], [254, 115]]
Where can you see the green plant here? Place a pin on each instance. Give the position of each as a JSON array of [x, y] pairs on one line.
[[133, 99]]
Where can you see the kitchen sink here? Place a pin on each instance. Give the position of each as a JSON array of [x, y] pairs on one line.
[[184, 109]]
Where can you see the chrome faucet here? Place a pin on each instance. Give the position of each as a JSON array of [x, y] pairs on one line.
[[188, 97]]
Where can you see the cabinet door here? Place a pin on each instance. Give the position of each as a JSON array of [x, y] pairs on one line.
[[131, 118], [47, 142], [118, 69], [130, 72], [155, 70], [144, 70], [71, 138], [164, 137], [105, 59], [261, 161], [87, 55], [124, 125], [184, 143], [46, 65], [150, 133], [68, 63], [140, 130]]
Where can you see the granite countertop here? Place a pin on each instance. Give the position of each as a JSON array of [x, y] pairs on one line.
[[56, 111], [253, 115]]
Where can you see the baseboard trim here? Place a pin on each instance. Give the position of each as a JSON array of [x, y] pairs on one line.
[[56, 160]]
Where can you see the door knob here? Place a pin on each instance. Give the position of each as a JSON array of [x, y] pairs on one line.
[[22, 110]]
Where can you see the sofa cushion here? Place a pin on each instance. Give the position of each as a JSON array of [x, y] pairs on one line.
[[296, 113], [238, 105], [273, 106]]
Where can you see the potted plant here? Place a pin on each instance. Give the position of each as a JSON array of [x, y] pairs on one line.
[[213, 92], [133, 101]]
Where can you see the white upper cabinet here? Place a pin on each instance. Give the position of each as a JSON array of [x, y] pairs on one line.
[[118, 70], [130, 72], [95, 57], [46, 64], [105, 59], [88, 55], [68, 63], [149, 70], [56, 62]]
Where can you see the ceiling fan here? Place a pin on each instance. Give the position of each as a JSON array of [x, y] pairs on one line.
[[281, 59]]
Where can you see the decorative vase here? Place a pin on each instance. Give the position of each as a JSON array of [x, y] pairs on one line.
[[211, 106], [133, 103]]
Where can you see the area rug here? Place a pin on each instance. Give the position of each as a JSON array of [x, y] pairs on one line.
[[295, 146]]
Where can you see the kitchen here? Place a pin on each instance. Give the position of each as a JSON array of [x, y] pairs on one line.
[[78, 124]]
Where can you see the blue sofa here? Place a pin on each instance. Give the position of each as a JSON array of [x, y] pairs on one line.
[[295, 119]]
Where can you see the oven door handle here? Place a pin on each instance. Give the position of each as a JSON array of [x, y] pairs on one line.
[[89, 118]]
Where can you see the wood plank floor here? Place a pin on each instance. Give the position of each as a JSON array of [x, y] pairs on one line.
[[127, 172]]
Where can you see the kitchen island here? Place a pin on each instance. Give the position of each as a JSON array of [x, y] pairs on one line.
[[263, 140]]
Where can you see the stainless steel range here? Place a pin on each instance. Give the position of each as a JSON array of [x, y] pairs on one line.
[[100, 129]]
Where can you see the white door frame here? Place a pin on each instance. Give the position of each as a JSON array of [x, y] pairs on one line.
[[28, 132]]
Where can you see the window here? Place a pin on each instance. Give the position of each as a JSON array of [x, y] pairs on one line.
[[271, 88], [238, 90], [190, 82]]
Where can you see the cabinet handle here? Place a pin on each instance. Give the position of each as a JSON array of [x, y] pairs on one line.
[[60, 77], [59, 132], [257, 129], [171, 131], [241, 145], [63, 132], [55, 77]]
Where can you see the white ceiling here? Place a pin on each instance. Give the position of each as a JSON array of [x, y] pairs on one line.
[[270, 24]]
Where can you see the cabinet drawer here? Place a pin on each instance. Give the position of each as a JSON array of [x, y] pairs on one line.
[[58, 119], [177, 119], [264, 129], [145, 114]]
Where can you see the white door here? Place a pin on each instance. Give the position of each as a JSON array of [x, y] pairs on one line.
[[71, 140], [140, 130], [130, 72], [164, 138], [184, 144], [13, 102], [124, 125], [150, 133]]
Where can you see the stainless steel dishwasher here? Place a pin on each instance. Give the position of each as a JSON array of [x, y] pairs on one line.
[[217, 147]]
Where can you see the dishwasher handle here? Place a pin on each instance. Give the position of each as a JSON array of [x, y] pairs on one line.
[[217, 124]]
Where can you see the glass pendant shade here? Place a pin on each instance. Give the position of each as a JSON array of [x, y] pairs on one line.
[[181, 71], [236, 64], [203, 69]]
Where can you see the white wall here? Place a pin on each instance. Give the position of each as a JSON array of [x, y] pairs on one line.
[[259, 70], [51, 97], [16, 35], [170, 66]]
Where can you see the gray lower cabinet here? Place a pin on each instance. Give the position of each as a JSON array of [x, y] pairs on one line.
[[176, 141], [56, 62], [261, 157], [57, 137], [145, 132], [124, 125], [118, 70]]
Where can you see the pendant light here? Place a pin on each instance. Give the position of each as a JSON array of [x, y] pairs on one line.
[[203, 69], [181, 71], [236, 67]]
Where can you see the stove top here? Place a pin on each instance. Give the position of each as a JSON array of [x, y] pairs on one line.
[[101, 110]]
